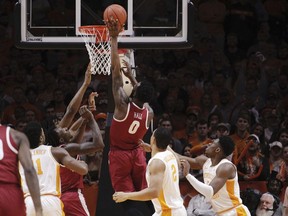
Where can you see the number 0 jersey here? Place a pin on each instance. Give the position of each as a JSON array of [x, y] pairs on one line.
[[170, 198], [48, 172], [125, 133]]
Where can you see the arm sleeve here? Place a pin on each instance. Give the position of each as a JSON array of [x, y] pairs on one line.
[[202, 188]]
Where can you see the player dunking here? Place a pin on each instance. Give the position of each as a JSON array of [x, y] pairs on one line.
[[127, 162], [14, 147], [220, 178]]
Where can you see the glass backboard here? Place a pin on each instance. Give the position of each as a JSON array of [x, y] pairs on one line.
[[53, 24]]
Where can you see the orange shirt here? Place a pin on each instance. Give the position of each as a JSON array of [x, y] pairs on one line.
[[199, 147], [240, 143]]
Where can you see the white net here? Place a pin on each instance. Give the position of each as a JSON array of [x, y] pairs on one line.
[[96, 40]]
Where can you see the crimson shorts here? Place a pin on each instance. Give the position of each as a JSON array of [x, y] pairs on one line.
[[11, 200], [74, 203], [127, 169]]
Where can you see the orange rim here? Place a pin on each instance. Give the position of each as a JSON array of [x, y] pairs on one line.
[[100, 31]]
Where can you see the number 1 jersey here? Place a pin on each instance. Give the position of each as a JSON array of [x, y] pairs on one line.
[[48, 172]]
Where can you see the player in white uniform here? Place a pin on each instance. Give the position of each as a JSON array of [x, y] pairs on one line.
[[220, 185], [162, 178], [47, 161]]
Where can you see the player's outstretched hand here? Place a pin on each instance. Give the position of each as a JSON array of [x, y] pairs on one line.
[[127, 71], [112, 26], [91, 101], [145, 146], [85, 113], [185, 166], [119, 197]]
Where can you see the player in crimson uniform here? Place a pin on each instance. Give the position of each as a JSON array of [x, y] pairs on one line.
[[14, 147], [127, 162], [71, 182], [68, 131], [72, 197]]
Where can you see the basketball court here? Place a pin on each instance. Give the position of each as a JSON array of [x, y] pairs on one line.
[[151, 24]]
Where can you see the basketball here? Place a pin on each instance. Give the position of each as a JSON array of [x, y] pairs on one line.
[[117, 12]]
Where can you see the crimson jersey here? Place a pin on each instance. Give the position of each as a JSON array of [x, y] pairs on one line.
[[72, 198], [125, 133], [70, 180], [8, 158]]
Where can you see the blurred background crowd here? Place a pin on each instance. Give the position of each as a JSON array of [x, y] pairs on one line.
[[233, 81]]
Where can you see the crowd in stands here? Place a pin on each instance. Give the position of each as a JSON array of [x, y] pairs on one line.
[[233, 81]]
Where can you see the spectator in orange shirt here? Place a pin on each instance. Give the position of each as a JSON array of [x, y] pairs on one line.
[[276, 157], [214, 119], [241, 134], [254, 165], [283, 172], [223, 129], [191, 122], [200, 142]]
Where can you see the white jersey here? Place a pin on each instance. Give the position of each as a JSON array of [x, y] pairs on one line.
[[48, 172], [227, 200], [169, 202]]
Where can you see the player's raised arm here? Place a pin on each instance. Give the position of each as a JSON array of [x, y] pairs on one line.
[[128, 73], [75, 103], [194, 163], [96, 144], [120, 97]]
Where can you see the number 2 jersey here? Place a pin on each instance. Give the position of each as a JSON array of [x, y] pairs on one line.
[[125, 133], [47, 169], [170, 201]]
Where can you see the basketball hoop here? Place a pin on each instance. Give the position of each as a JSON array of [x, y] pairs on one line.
[[96, 38]]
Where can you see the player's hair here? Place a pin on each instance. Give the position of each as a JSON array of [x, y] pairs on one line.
[[145, 91], [227, 145], [163, 137], [33, 132], [52, 137]]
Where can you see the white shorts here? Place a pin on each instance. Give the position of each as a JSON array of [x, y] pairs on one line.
[[174, 212], [240, 210], [52, 206]]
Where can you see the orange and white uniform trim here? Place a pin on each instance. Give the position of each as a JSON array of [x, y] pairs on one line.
[[44, 163], [227, 201], [48, 172], [170, 202]]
